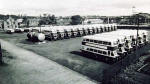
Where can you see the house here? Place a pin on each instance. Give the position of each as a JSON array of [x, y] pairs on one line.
[[21, 23], [92, 21], [63, 21], [10, 23], [28, 22], [33, 22]]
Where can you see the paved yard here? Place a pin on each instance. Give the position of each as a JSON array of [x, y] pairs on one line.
[[65, 52], [26, 67]]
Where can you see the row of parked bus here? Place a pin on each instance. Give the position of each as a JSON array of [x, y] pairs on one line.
[[114, 45], [17, 30], [65, 32]]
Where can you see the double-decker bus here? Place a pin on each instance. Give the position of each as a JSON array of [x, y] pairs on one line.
[[120, 42], [62, 32], [67, 31], [100, 46]]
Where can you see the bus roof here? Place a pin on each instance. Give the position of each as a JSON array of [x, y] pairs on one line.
[[94, 37], [110, 36]]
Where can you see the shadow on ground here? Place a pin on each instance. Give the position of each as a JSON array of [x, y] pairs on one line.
[[90, 56]]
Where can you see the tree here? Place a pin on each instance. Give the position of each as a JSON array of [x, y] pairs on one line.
[[76, 19], [53, 19], [28, 23], [47, 20], [25, 20]]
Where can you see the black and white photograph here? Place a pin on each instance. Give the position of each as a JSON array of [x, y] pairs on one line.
[[74, 41]]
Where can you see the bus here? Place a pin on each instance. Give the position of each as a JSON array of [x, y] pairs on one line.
[[79, 30], [74, 32], [60, 32], [85, 30], [54, 34], [120, 42], [67, 31], [102, 46]]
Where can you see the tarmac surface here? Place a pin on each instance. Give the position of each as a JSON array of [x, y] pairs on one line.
[[65, 52], [30, 68]]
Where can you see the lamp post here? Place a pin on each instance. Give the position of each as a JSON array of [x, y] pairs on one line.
[[137, 28], [138, 24]]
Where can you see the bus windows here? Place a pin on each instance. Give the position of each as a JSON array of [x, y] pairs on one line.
[[91, 49], [109, 43], [144, 36], [87, 40], [91, 40], [108, 52], [133, 39], [95, 41], [112, 54], [88, 49], [100, 42], [105, 43], [120, 49], [99, 51], [94, 50], [112, 48], [120, 45], [104, 52], [127, 41], [83, 43]]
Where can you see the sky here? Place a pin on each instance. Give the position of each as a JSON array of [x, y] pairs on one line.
[[74, 7]]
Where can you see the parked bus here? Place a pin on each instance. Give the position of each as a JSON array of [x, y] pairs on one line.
[[67, 31], [102, 46], [61, 32], [120, 42]]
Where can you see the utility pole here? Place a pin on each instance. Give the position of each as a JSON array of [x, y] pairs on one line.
[[133, 10], [137, 28], [138, 24]]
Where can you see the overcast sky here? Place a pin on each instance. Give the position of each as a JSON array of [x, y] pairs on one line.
[[73, 7]]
